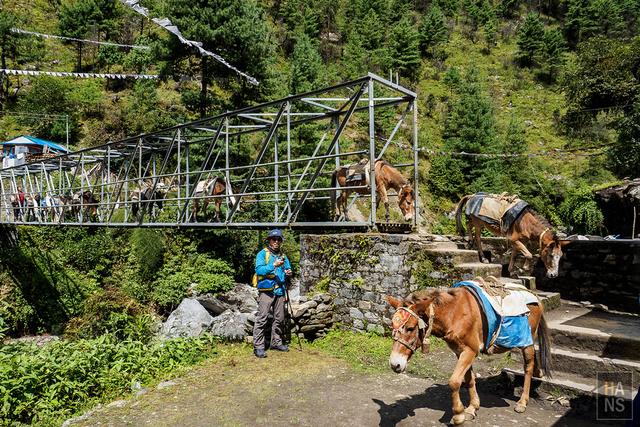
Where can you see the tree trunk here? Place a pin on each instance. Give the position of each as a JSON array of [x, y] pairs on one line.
[[79, 64], [4, 78], [203, 92]]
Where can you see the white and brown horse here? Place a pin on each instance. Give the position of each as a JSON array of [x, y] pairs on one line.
[[205, 193], [454, 315], [529, 226], [387, 177]]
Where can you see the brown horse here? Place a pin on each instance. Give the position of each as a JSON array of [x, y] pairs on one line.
[[529, 226], [386, 177], [454, 315], [205, 192]]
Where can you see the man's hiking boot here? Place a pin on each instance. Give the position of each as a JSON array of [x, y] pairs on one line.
[[280, 347], [259, 352]]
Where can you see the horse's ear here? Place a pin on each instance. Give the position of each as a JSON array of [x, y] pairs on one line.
[[394, 302]]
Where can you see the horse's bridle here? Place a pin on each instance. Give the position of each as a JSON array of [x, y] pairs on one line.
[[542, 235], [421, 325]]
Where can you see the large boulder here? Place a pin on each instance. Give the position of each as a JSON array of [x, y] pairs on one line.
[[213, 304], [230, 325], [242, 297], [190, 319]]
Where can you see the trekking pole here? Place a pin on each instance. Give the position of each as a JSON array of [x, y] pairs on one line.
[[290, 310]]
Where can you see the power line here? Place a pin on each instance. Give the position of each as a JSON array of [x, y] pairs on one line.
[[50, 36]]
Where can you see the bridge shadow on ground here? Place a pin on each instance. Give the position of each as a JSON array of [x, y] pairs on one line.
[[493, 393]]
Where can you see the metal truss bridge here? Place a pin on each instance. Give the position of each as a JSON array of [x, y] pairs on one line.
[[267, 165]]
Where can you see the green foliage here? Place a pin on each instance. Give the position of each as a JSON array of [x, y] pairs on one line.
[[307, 66], [147, 249], [51, 383], [530, 40], [404, 49], [580, 211], [433, 30], [111, 311], [185, 268], [470, 128], [624, 156]]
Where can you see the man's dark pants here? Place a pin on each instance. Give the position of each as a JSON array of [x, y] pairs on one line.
[[265, 301]]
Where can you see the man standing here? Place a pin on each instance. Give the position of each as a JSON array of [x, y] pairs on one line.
[[272, 269]]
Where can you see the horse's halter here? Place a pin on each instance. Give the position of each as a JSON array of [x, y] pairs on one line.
[[406, 313], [541, 236]]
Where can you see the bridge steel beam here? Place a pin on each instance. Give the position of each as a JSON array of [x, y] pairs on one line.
[[281, 154]]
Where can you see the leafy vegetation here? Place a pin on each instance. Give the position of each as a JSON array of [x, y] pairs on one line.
[[47, 384]]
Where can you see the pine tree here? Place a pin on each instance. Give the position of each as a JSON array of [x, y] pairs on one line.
[[530, 40], [300, 17], [355, 59], [77, 17], [603, 18], [433, 30], [551, 53], [404, 49], [306, 65], [7, 49], [470, 128]]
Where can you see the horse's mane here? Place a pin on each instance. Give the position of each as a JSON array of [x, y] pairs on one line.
[[541, 219], [439, 295]]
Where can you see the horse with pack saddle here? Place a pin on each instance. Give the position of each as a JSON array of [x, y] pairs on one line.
[[472, 317], [509, 216], [387, 177]]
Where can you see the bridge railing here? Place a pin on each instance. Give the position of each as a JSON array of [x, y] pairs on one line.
[[262, 166]]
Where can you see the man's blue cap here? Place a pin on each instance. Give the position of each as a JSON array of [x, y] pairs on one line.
[[275, 233]]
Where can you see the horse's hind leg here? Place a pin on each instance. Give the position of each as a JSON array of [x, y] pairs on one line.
[[477, 232], [529, 355], [474, 399]]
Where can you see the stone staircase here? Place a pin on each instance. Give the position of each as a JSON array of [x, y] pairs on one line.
[[587, 343]]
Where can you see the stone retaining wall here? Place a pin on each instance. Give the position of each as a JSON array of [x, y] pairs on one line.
[[358, 270], [600, 271]]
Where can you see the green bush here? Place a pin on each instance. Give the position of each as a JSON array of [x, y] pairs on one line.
[[581, 212], [48, 384], [111, 311], [182, 271]]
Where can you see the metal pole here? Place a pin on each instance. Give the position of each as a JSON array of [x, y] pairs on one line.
[[416, 199], [226, 166], [372, 156], [67, 129], [275, 170]]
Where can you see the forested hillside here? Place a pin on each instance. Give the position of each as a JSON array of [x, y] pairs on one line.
[[535, 98]]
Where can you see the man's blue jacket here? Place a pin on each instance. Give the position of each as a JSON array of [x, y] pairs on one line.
[[270, 277]]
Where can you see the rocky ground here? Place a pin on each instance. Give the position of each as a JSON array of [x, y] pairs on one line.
[[309, 388]]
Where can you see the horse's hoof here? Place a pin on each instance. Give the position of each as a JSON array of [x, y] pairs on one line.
[[485, 261], [458, 419], [470, 413], [520, 408]]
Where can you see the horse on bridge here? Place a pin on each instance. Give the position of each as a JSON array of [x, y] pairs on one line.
[[145, 198], [456, 315], [387, 177], [527, 226], [206, 192]]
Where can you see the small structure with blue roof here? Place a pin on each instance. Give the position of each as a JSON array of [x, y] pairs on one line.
[[16, 151]]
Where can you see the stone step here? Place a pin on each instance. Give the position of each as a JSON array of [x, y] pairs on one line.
[[588, 364], [605, 334], [454, 255], [582, 394], [471, 270], [550, 300], [430, 246]]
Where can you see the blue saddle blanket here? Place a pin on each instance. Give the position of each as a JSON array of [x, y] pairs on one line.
[[505, 331]]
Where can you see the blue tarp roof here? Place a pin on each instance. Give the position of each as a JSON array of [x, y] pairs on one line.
[[32, 140]]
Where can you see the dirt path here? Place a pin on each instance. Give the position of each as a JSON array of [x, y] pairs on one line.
[[308, 389]]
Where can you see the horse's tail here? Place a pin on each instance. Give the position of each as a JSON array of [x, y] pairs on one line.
[[459, 208], [544, 346]]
